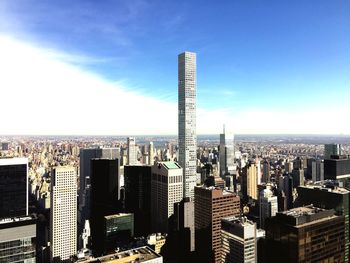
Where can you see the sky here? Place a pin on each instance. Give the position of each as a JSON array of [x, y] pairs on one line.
[[110, 67]]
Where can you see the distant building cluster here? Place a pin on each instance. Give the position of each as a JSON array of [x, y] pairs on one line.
[[97, 199]]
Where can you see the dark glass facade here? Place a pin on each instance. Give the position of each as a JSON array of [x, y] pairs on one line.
[[137, 181], [13, 190], [104, 198], [336, 167], [117, 228]]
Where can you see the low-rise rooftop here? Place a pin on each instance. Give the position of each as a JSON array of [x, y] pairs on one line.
[[141, 254]]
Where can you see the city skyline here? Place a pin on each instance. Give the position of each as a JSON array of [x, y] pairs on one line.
[[257, 65]]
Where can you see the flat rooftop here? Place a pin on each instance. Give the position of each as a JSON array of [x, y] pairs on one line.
[[15, 219], [323, 187], [171, 165], [141, 254], [117, 215]]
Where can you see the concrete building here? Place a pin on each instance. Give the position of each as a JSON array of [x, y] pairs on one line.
[[305, 234], [13, 187], [211, 205], [167, 189], [187, 85], [268, 205], [227, 154], [132, 153], [140, 254], [238, 239], [331, 149], [18, 240], [63, 213], [328, 196]]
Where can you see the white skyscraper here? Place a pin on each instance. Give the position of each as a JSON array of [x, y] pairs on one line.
[[151, 154], [187, 120], [132, 153], [166, 185], [227, 154], [63, 221]]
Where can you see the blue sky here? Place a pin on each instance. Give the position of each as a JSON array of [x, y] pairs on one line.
[[276, 60]]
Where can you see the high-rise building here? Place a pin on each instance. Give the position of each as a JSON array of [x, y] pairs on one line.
[[187, 120], [184, 224], [266, 171], [211, 205], [286, 185], [238, 239], [305, 234], [317, 171], [151, 153], [298, 177], [337, 168], [84, 177], [328, 196], [268, 205], [13, 187], [132, 153], [104, 198], [167, 189], [63, 213], [137, 180], [226, 154], [331, 149], [18, 240], [252, 180]]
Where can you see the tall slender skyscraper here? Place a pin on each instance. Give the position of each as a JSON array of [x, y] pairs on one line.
[[187, 120], [63, 221]]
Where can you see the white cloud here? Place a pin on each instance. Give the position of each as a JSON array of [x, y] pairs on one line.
[[41, 93]]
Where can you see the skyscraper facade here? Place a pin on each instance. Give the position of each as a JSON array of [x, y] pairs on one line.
[[63, 213], [132, 153], [226, 154], [331, 149], [166, 183], [104, 198], [268, 205], [238, 239], [85, 173], [305, 234], [328, 196], [137, 180], [187, 120], [211, 205], [13, 187]]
